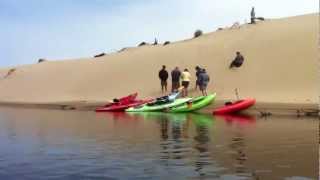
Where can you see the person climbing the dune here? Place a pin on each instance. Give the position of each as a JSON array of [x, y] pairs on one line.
[[175, 77], [238, 61], [163, 76], [203, 82], [198, 71], [185, 77]]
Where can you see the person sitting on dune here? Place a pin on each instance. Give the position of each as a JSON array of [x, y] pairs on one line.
[[238, 61]]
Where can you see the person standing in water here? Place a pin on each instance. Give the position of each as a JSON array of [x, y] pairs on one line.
[[253, 16], [163, 76], [185, 77], [203, 82], [175, 77], [198, 71]]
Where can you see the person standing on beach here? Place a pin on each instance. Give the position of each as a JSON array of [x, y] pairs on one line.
[[253, 16], [175, 76], [198, 71], [163, 76], [238, 61], [203, 82], [185, 77]]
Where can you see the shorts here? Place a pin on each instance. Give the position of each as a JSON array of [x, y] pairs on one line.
[[185, 84], [203, 87], [164, 83], [175, 85]]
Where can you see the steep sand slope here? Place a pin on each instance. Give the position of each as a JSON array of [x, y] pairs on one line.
[[280, 67]]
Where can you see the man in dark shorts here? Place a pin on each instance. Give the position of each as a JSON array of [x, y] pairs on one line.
[[163, 76], [198, 71], [238, 61], [175, 76]]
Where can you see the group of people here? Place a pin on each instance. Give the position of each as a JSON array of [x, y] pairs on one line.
[[202, 80]]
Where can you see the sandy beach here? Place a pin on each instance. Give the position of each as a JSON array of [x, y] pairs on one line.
[[280, 67]]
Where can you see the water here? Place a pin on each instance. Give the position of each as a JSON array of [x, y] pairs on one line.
[[52, 144]]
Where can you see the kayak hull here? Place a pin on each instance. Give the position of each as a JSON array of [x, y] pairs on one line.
[[195, 104], [150, 108], [235, 107]]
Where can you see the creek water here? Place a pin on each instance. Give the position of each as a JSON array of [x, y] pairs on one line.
[[54, 144]]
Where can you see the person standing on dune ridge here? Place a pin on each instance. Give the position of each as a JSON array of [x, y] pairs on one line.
[[253, 16]]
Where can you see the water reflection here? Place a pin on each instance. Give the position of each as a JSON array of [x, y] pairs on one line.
[[203, 123], [238, 146], [238, 119], [174, 136], [178, 143], [86, 145]]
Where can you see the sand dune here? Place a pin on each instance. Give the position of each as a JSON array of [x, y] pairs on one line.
[[280, 67]]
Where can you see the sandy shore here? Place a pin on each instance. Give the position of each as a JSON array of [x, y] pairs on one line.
[[280, 68]]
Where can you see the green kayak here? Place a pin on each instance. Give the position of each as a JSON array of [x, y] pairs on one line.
[[194, 105], [158, 107]]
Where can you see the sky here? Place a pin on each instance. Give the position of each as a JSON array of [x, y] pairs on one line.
[[66, 29]]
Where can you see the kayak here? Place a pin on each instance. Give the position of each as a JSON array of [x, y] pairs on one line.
[[123, 103], [235, 107], [194, 104], [122, 106], [158, 105], [123, 100]]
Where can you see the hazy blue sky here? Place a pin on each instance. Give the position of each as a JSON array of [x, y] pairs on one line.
[[62, 29]]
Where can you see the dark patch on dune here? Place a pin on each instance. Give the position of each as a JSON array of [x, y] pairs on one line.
[[198, 33], [166, 43], [10, 72], [41, 60], [100, 55]]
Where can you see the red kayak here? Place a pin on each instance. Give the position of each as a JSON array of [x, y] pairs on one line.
[[235, 107], [124, 100], [123, 104], [122, 107]]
